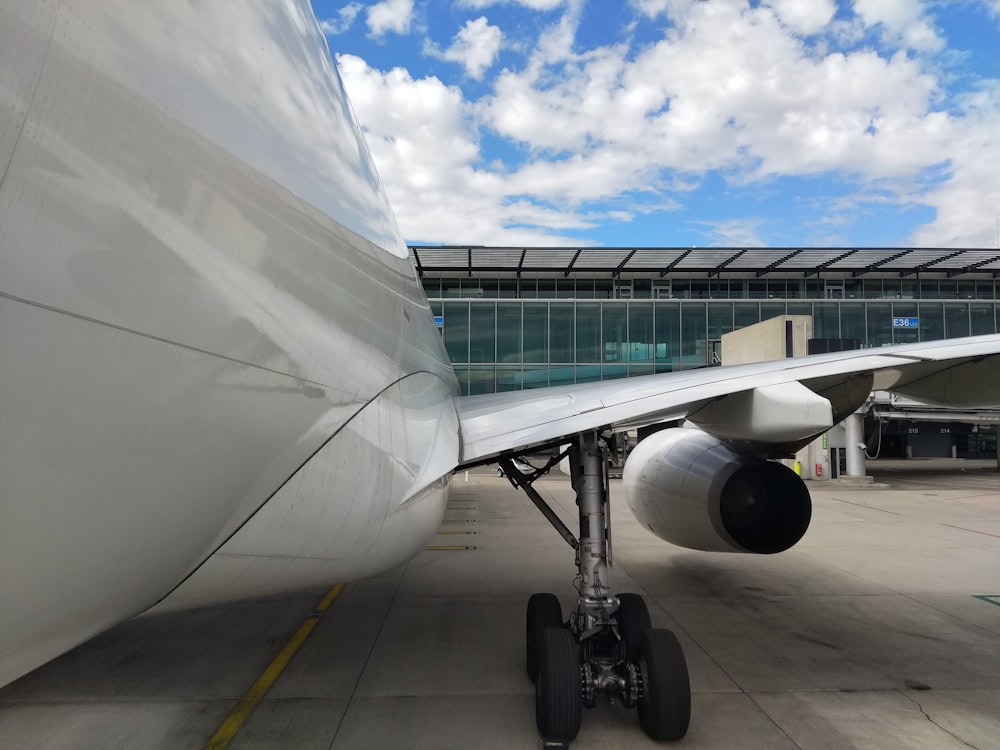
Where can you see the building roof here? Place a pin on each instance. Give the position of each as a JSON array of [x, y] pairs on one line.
[[710, 260]]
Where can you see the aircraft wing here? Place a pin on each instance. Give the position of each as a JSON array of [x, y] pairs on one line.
[[955, 372]]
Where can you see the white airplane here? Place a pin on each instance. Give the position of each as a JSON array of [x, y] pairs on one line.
[[220, 377]]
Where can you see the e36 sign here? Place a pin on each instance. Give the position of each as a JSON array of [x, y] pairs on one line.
[[905, 322]]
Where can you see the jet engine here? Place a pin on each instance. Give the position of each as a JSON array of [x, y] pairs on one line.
[[691, 489]]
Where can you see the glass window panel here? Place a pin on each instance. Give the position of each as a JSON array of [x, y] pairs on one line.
[[482, 332], [904, 335], [481, 379], [891, 288], [699, 290], [451, 287], [908, 289], [770, 310], [437, 309], [588, 373], [720, 319], [566, 288], [536, 332], [508, 379], [611, 372], [471, 288], [931, 321], [872, 288], [694, 347], [667, 330], [947, 289], [800, 308], [794, 288], [985, 290], [614, 332], [640, 332], [561, 332], [535, 377], [509, 332], [983, 319], [967, 290], [852, 322], [462, 373], [564, 375], [879, 323], [635, 370], [456, 330], [826, 321], [642, 289], [776, 288], [528, 289], [507, 288], [680, 288], [815, 289], [588, 333], [745, 314], [603, 288], [956, 320], [490, 288], [852, 289], [546, 289], [432, 287], [757, 288], [928, 289], [737, 288]]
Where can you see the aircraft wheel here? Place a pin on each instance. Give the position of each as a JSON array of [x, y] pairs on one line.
[[558, 690], [665, 704], [633, 621], [544, 612]]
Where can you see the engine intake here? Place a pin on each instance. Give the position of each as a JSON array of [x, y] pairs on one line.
[[691, 489]]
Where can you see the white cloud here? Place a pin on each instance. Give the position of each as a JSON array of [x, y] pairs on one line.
[[901, 21], [390, 15], [475, 47], [729, 88], [342, 21], [804, 16], [533, 4]]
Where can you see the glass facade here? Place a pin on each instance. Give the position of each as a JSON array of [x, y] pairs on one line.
[[499, 344]]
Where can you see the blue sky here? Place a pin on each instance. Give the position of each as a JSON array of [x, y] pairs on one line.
[[680, 122]]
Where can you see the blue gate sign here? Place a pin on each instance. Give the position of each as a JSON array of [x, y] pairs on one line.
[[439, 321], [905, 322]]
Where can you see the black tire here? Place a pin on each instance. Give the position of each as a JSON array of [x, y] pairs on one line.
[[544, 612], [558, 690], [633, 621], [665, 706]]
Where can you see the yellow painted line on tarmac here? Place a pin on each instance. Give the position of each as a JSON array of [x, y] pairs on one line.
[[238, 716]]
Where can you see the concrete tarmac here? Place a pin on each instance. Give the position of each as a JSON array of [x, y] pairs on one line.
[[881, 629]]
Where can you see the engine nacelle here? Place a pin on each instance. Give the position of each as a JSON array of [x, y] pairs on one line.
[[691, 489]]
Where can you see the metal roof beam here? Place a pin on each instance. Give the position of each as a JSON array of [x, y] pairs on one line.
[[670, 266], [569, 266], [925, 266], [822, 266], [618, 269], [715, 271], [771, 266], [972, 267], [873, 266]]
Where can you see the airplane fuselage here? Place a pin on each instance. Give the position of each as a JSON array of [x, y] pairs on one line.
[[220, 377]]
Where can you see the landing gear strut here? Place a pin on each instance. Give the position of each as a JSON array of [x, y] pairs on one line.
[[607, 646]]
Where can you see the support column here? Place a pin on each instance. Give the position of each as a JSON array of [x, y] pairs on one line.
[[854, 425]]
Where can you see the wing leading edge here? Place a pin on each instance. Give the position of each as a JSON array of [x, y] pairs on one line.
[[955, 372]]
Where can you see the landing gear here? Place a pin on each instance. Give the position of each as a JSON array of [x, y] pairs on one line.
[[608, 646]]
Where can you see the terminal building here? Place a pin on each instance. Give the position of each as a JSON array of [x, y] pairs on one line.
[[515, 317]]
